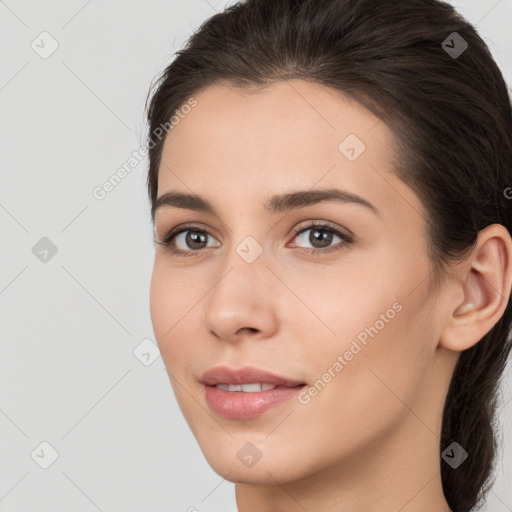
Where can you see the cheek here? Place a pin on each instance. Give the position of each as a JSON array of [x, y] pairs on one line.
[[160, 302], [170, 303], [365, 396], [171, 314], [393, 360], [176, 297], [378, 350]]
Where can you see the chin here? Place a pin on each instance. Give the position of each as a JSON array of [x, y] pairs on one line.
[[260, 474], [240, 461]]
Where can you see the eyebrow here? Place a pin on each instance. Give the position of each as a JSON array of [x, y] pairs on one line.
[[276, 204]]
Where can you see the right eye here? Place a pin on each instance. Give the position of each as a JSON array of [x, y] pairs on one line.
[[186, 240]]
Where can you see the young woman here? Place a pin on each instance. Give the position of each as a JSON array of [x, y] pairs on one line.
[[330, 183]]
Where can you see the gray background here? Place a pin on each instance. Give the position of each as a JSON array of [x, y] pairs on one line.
[[70, 324]]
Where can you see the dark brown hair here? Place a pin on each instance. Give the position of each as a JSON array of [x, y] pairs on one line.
[[451, 116]]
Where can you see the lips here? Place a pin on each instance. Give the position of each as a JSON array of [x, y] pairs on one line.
[[247, 392], [247, 375]]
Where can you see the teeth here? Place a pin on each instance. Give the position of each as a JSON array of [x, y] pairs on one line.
[[246, 388]]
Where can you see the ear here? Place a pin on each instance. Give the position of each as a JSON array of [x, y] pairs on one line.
[[484, 282]]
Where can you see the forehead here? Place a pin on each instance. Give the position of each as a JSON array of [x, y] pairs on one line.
[[247, 143], [286, 120]]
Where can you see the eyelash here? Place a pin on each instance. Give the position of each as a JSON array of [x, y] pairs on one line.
[[346, 239]]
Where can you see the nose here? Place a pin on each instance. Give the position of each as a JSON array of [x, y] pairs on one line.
[[243, 301]]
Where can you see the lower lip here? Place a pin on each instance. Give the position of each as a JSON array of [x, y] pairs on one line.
[[237, 404]]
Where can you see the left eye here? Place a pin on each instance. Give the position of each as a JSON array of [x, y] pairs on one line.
[[320, 237]]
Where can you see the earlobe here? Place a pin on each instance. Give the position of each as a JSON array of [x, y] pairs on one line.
[[485, 284]]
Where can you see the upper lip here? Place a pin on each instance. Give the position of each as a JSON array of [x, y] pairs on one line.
[[246, 375]]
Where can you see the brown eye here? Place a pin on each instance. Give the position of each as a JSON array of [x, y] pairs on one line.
[[321, 238], [192, 239], [187, 240]]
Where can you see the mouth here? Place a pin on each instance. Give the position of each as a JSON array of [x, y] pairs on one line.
[[250, 388], [247, 392]]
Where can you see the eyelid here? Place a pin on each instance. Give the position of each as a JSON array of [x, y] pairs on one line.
[[187, 226], [325, 224]]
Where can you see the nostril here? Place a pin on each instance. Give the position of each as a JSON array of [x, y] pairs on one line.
[[250, 329]]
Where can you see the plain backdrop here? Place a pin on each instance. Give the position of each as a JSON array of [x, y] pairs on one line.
[[83, 391]]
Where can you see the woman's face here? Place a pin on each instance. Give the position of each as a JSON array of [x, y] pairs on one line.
[[351, 330]]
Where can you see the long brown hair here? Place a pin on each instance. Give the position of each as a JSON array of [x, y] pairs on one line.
[[425, 71]]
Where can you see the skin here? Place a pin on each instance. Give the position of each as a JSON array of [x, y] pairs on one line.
[[369, 440]]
